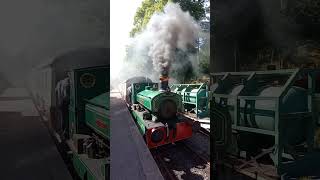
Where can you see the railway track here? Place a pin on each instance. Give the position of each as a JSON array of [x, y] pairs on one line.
[[166, 172], [182, 161], [205, 132], [205, 157]]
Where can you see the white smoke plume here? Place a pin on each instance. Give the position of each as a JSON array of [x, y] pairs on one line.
[[152, 52], [170, 30]]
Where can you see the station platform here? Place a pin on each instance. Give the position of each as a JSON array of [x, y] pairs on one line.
[[130, 157], [27, 150]]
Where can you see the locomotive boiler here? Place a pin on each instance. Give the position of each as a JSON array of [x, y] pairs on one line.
[[158, 112], [267, 122]]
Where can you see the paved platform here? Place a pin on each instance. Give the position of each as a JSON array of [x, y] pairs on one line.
[[130, 157], [27, 150]]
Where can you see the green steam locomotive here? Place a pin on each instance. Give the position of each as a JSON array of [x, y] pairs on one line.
[[158, 112]]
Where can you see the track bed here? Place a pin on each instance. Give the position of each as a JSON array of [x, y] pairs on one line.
[[188, 159]]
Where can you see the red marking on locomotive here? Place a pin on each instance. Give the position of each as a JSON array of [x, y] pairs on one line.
[[101, 124], [182, 131]]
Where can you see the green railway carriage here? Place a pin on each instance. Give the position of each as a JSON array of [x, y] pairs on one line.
[[267, 122], [43, 80], [96, 115], [194, 97], [89, 124], [81, 123]]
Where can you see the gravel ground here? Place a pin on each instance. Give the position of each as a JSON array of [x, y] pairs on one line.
[[200, 143], [225, 173], [187, 160]]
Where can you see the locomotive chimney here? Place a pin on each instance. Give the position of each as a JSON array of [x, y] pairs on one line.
[[164, 80]]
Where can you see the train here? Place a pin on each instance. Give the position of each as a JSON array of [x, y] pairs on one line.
[[71, 93], [267, 122], [194, 98], [158, 112]]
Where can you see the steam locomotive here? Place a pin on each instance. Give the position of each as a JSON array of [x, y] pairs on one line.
[[158, 112], [77, 113]]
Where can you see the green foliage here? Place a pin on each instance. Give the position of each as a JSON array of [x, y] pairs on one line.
[[149, 7], [144, 13], [204, 59], [195, 8]]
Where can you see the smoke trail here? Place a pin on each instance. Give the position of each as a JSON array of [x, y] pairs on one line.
[[170, 30], [156, 50]]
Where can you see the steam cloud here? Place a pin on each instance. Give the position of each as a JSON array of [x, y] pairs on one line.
[[173, 29], [35, 31], [154, 51]]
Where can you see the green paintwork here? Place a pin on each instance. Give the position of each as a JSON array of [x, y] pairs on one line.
[[89, 113], [79, 166], [139, 121], [97, 110], [151, 99], [138, 87], [283, 112], [193, 96], [72, 121], [101, 100], [80, 92], [83, 170], [145, 98]]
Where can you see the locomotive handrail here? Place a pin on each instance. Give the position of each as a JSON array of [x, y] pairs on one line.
[[255, 130], [230, 73], [295, 114], [282, 71], [258, 97], [88, 101], [223, 95], [187, 94], [289, 83]]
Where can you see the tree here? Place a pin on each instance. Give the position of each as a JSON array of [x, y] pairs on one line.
[[149, 7], [204, 58], [204, 52]]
